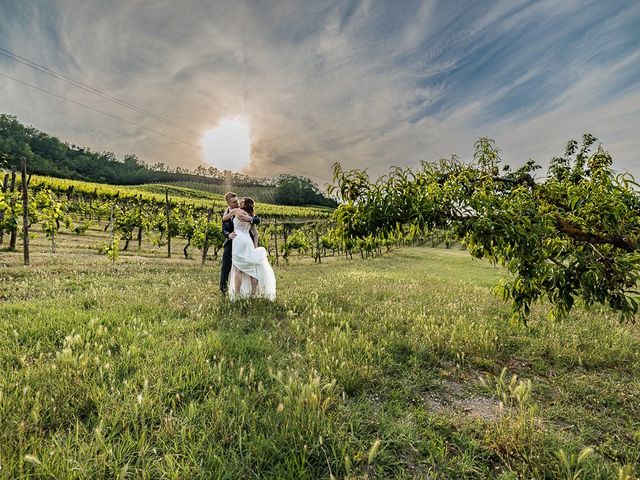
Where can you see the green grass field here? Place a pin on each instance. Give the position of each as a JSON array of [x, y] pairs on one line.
[[360, 369]]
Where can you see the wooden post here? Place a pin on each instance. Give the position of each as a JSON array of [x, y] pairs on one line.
[[25, 210], [5, 184], [12, 207], [168, 209], [205, 247], [111, 221], [275, 238], [318, 245], [140, 222]]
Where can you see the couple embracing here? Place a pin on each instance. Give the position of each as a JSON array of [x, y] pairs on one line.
[[245, 267]]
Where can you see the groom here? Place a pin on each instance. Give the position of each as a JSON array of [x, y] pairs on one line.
[[227, 229]]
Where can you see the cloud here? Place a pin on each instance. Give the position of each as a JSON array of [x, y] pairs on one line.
[[368, 84]]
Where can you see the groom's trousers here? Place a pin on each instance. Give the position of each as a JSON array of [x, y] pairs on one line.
[[226, 266]]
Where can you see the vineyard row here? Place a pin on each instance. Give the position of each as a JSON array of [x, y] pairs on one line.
[[57, 205]]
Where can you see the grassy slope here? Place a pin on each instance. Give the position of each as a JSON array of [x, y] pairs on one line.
[[141, 369], [260, 193]]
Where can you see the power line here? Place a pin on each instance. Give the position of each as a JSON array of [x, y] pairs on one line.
[[78, 84], [100, 111], [120, 119], [94, 91]]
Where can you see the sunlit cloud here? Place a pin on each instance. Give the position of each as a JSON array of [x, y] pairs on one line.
[[227, 146]]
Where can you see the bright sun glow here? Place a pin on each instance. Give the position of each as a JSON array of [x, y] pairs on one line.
[[228, 145]]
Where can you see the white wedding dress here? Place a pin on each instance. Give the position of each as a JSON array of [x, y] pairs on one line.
[[252, 261]]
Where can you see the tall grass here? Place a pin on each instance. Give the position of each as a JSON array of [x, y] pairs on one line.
[[360, 369]]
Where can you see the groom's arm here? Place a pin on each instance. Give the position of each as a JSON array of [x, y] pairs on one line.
[[255, 220], [226, 232]]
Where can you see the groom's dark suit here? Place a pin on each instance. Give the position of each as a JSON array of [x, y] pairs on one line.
[[227, 228]]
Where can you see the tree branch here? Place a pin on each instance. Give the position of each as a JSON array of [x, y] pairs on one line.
[[524, 179], [565, 226]]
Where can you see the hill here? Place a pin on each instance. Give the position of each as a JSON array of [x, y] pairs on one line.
[[260, 193], [49, 156]]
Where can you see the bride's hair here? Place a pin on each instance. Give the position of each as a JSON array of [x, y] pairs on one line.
[[248, 205]]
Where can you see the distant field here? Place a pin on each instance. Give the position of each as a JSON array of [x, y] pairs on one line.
[[259, 193], [361, 369], [180, 191]]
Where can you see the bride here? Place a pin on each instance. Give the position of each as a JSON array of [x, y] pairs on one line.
[[251, 273]]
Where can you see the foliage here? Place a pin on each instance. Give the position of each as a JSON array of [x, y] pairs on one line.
[[297, 240], [51, 213], [111, 249], [207, 234], [48, 155], [103, 193], [573, 235], [297, 190], [125, 219]]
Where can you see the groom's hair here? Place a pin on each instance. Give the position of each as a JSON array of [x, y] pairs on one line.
[[228, 195]]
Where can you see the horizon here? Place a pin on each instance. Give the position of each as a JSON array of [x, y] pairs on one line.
[[363, 84]]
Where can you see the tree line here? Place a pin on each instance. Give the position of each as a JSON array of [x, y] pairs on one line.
[[48, 155]]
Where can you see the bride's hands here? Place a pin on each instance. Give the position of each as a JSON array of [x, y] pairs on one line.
[[241, 214], [238, 212]]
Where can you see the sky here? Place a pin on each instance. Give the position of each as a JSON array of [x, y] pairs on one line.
[[369, 84]]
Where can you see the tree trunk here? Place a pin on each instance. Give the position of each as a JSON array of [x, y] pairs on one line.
[[184, 250]]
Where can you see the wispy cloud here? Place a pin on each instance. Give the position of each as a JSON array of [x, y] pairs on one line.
[[369, 83]]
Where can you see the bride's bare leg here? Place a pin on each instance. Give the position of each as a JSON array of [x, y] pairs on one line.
[[254, 284], [237, 277]]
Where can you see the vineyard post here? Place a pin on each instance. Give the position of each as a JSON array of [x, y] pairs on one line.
[[205, 246], [111, 221], [5, 184], [12, 207], [319, 259], [275, 237], [95, 195], [168, 207], [25, 209], [140, 222]]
